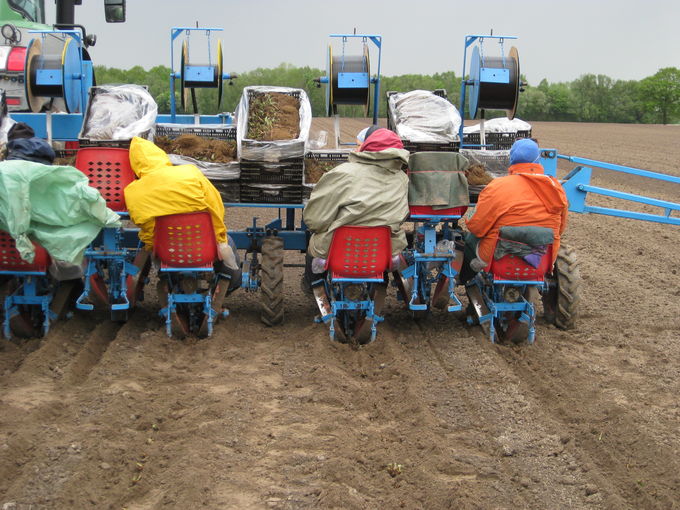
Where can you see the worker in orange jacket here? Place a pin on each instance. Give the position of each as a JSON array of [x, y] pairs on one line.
[[526, 197]]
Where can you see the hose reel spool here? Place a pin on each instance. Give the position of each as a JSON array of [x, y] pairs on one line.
[[197, 76], [350, 80], [494, 82], [57, 66], [348, 77]]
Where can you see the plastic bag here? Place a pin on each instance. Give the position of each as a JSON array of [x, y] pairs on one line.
[[275, 150], [218, 171], [496, 163], [500, 125], [422, 116], [120, 112], [55, 206]]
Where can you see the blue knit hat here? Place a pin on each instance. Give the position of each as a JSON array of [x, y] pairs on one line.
[[524, 150]]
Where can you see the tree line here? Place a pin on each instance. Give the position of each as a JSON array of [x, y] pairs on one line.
[[589, 98]]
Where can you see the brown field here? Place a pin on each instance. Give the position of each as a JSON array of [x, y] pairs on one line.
[[103, 415]]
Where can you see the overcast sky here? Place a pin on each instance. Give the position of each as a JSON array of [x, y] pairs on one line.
[[557, 40]]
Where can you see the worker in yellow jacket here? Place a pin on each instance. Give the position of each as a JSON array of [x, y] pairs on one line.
[[164, 189]]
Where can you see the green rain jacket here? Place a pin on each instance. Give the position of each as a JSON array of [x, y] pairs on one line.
[[54, 205], [370, 190]]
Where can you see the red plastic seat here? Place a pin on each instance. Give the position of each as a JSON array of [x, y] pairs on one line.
[[185, 240], [360, 252], [428, 210], [10, 260], [513, 267], [108, 170]]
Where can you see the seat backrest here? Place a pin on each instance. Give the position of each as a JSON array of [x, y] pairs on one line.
[[10, 260], [431, 212], [108, 170], [360, 252], [514, 267], [185, 240]]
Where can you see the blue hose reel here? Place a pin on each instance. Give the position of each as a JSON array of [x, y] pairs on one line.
[[58, 67]]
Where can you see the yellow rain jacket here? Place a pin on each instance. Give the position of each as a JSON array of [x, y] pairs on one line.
[[164, 189]]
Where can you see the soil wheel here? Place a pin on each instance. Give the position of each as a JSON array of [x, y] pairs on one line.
[[271, 281], [561, 302]]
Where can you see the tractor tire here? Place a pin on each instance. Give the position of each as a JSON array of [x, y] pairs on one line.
[[563, 301], [271, 281]]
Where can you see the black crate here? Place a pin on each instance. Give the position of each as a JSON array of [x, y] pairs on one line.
[[430, 146], [496, 141], [328, 158], [227, 133], [286, 171], [253, 194], [230, 191]]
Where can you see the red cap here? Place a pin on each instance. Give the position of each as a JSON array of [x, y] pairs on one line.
[[380, 140]]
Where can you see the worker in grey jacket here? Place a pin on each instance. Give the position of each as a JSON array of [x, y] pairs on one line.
[[370, 190]]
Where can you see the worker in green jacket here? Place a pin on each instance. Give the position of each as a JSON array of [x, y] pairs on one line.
[[370, 190]]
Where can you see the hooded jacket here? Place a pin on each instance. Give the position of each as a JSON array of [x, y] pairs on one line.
[[164, 189], [526, 197], [370, 190]]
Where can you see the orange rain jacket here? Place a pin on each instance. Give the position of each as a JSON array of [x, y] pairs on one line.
[[526, 197], [164, 189]]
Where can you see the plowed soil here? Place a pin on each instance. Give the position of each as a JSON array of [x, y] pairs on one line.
[[104, 415]]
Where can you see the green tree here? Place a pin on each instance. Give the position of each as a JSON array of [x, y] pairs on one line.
[[661, 93]]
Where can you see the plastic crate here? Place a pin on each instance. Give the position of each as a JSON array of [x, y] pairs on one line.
[[254, 194], [250, 146], [328, 158], [430, 146], [495, 141], [421, 146], [230, 191], [496, 163], [286, 171], [216, 132]]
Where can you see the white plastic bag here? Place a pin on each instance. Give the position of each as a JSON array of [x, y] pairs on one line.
[[422, 116]]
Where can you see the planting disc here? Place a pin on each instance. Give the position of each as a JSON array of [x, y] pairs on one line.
[[71, 84], [33, 54]]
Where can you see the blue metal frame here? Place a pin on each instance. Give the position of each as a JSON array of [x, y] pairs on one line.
[[111, 255], [577, 185], [34, 289], [493, 292], [335, 289], [424, 254], [194, 298]]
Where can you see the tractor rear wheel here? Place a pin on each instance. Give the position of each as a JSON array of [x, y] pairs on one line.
[[271, 281], [561, 303]]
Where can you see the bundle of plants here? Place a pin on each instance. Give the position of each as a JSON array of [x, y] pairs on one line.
[[273, 116]]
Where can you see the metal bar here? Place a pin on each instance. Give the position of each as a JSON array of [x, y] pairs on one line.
[[632, 215], [620, 168], [629, 196]]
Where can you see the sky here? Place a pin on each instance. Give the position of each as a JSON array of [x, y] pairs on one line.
[[556, 40]]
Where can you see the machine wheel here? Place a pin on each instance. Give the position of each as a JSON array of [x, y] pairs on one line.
[[271, 281], [561, 302]]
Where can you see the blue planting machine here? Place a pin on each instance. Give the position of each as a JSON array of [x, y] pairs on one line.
[[350, 297]]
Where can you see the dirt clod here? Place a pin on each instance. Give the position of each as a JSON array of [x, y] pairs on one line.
[[477, 175]]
